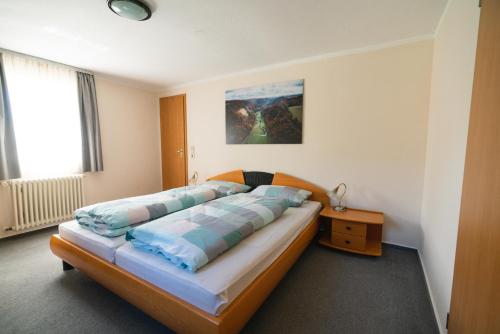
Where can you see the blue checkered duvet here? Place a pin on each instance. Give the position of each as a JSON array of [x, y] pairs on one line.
[[191, 238]]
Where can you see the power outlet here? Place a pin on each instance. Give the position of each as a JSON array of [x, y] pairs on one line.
[[193, 155]]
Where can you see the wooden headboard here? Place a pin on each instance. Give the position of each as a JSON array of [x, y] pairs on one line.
[[279, 179], [232, 176]]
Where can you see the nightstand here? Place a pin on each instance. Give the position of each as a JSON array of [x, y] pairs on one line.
[[356, 231]]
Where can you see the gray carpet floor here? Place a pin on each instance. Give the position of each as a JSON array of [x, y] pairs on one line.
[[325, 292]]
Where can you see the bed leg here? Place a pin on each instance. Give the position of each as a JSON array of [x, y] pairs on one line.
[[67, 266]]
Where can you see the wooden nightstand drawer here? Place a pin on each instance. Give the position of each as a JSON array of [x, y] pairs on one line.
[[343, 226], [348, 241]]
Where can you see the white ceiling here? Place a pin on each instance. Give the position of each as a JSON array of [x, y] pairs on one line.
[[190, 40]]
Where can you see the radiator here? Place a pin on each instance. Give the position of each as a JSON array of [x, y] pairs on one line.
[[45, 201]]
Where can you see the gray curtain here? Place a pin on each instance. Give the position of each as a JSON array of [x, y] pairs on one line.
[[9, 163], [89, 116]]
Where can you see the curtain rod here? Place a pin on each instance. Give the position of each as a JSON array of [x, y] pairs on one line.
[[2, 50]]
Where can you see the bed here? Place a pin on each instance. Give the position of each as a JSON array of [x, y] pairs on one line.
[[207, 303]]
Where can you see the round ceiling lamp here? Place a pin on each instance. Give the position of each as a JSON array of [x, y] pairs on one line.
[[130, 9]]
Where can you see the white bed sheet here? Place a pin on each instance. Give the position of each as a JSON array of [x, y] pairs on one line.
[[101, 246], [217, 284]]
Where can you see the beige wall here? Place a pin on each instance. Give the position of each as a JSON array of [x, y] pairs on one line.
[[130, 127], [365, 118], [131, 148], [451, 89]]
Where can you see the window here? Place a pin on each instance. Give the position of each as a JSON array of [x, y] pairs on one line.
[[45, 112]]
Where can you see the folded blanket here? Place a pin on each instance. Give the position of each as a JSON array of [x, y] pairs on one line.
[[193, 237], [114, 218]]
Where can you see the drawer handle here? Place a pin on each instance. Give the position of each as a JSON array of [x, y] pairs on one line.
[[348, 228], [347, 242]]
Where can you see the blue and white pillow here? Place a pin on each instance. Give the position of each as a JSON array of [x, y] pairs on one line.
[[294, 196], [226, 188]]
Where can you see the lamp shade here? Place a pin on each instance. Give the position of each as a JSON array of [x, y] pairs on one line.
[[340, 191]]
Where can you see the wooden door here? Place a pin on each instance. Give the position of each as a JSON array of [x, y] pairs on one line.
[[475, 301], [173, 141]]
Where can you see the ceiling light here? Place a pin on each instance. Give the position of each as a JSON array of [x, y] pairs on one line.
[[130, 9]]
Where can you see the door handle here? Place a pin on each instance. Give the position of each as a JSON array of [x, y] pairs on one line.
[[180, 151]]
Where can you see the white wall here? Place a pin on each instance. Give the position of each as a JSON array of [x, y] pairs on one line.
[[451, 89], [365, 119], [131, 148]]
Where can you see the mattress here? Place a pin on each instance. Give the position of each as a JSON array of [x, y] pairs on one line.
[[216, 285], [101, 246]]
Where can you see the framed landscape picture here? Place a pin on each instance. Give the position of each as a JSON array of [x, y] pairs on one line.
[[267, 114]]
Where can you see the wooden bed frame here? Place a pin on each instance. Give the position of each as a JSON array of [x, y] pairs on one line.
[[175, 313]]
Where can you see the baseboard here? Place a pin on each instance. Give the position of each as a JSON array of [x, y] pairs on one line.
[[399, 245], [429, 291], [12, 234]]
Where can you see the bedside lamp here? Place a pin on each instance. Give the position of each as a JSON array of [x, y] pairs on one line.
[[338, 192], [194, 179]]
